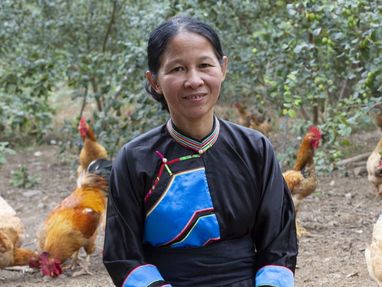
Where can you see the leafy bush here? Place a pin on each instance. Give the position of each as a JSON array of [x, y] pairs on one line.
[[315, 61]]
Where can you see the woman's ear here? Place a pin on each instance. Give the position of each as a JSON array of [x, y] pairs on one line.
[[224, 66], [153, 82]]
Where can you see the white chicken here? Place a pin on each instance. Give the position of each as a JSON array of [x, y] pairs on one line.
[[373, 253], [11, 236]]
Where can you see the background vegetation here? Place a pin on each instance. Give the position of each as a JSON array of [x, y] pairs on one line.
[[304, 61]]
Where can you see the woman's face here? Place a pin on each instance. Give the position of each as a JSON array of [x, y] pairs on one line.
[[190, 78]]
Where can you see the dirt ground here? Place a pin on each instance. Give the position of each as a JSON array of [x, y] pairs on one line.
[[339, 216]]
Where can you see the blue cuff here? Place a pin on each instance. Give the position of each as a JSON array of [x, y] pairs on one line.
[[143, 276], [275, 276]]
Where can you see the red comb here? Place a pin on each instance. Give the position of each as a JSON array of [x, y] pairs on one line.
[[315, 130], [82, 124], [82, 121]]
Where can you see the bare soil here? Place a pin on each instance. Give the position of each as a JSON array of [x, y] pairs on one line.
[[339, 216]]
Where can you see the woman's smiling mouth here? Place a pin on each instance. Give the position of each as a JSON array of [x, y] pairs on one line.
[[195, 97]]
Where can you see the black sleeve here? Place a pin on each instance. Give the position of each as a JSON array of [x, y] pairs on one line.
[[275, 230], [123, 255]]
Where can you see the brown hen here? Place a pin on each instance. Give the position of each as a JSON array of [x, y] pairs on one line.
[[251, 120], [374, 168], [261, 124], [72, 225]]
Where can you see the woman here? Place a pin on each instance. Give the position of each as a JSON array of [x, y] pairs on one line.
[[197, 201]]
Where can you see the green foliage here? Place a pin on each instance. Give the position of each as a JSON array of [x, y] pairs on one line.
[[312, 61], [4, 150], [27, 73], [22, 179]]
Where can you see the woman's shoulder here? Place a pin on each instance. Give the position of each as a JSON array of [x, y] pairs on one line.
[[245, 141], [144, 142]]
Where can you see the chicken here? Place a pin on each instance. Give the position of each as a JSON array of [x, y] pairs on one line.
[[72, 225], [373, 253], [101, 167], [302, 179], [261, 124], [378, 120], [244, 115], [374, 168], [251, 120], [11, 236], [91, 149], [377, 116]]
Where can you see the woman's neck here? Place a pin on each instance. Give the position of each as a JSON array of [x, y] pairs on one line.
[[195, 129]]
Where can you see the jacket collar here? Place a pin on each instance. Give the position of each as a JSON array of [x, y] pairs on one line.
[[198, 146]]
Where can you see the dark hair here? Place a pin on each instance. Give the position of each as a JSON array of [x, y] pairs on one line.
[[160, 37]]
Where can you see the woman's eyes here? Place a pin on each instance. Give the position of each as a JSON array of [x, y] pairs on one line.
[[181, 68], [205, 65], [178, 69]]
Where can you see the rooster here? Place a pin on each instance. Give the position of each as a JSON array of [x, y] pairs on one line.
[[73, 224], [374, 168], [91, 149], [373, 253], [302, 179], [11, 235]]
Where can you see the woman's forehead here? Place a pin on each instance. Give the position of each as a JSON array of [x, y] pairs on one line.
[[185, 43]]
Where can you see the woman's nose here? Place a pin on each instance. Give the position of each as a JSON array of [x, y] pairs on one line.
[[193, 80]]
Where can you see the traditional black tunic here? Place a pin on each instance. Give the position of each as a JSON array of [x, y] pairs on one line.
[[188, 213]]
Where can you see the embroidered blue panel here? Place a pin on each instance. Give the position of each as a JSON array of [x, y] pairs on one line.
[[142, 276], [275, 276], [184, 215]]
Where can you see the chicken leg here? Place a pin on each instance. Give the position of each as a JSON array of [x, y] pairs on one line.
[[85, 268]]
